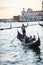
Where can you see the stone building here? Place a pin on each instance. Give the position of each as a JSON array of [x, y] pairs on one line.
[[30, 15]]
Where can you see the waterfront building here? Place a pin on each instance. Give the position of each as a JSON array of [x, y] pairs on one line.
[[30, 15], [7, 20]]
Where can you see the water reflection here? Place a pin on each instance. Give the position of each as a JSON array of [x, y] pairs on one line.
[[37, 52], [34, 54]]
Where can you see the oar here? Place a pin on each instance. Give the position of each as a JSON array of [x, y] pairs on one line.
[[21, 26], [13, 40]]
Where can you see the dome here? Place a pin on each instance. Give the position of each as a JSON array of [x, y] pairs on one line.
[[29, 10]]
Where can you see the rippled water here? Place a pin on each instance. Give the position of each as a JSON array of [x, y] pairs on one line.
[[15, 53]]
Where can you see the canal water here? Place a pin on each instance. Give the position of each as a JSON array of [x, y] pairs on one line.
[[15, 53]]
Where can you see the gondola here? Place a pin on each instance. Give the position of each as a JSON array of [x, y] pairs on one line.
[[31, 43]]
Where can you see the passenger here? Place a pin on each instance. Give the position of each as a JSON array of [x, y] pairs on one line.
[[30, 38], [23, 30]]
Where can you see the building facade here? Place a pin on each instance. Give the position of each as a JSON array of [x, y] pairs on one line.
[[31, 15]]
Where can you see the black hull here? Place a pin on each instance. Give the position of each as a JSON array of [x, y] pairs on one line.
[[41, 25], [34, 43]]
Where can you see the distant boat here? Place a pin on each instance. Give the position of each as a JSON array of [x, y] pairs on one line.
[[31, 43]]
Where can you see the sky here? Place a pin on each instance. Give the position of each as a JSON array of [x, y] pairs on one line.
[[10, 8]]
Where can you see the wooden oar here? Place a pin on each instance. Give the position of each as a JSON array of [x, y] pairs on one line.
[[21, 26], [13, 40]]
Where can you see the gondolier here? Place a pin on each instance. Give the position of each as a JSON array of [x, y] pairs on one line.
[[23, 30]]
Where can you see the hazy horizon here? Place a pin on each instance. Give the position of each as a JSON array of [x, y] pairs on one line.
[[10, 8]]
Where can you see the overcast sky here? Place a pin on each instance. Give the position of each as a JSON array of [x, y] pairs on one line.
[[9, 8]]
